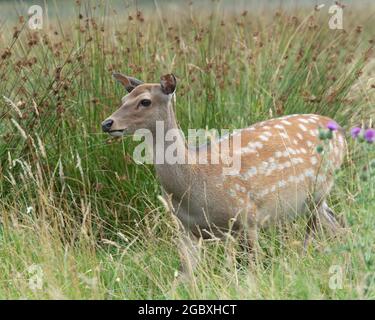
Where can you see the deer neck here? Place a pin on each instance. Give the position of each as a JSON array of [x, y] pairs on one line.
[[174, 177]]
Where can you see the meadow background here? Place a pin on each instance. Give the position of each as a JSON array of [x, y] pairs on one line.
[[80, 220]]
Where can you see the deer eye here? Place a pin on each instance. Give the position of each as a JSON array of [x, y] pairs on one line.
[[145, 102]]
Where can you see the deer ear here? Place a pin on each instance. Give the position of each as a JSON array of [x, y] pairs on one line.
[[128, 82], [168, 83]]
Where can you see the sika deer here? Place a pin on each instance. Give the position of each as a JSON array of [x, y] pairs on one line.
[[281, 171]]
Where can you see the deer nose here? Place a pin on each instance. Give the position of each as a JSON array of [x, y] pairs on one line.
[[107, 124]]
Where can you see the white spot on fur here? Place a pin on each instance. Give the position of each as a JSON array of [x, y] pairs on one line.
[[286, 122], [251, 147], [273, 166], [287, 164], [312, 120], [296, 161], [309, 173], [284, 135], [263, 137], [303, 120], [250, 173]]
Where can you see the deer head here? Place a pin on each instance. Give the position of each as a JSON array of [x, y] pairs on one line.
[[144, 104]]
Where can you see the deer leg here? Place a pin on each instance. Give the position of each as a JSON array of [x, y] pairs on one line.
[[186, 242], [188, 248], [322, 214], [310, 229], [250, 239], [328, 217]]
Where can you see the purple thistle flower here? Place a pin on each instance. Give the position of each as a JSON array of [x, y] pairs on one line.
[[355, 132], [370, 135], [332, 125]]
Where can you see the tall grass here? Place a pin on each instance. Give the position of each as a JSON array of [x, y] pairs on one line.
[[78, 213]]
